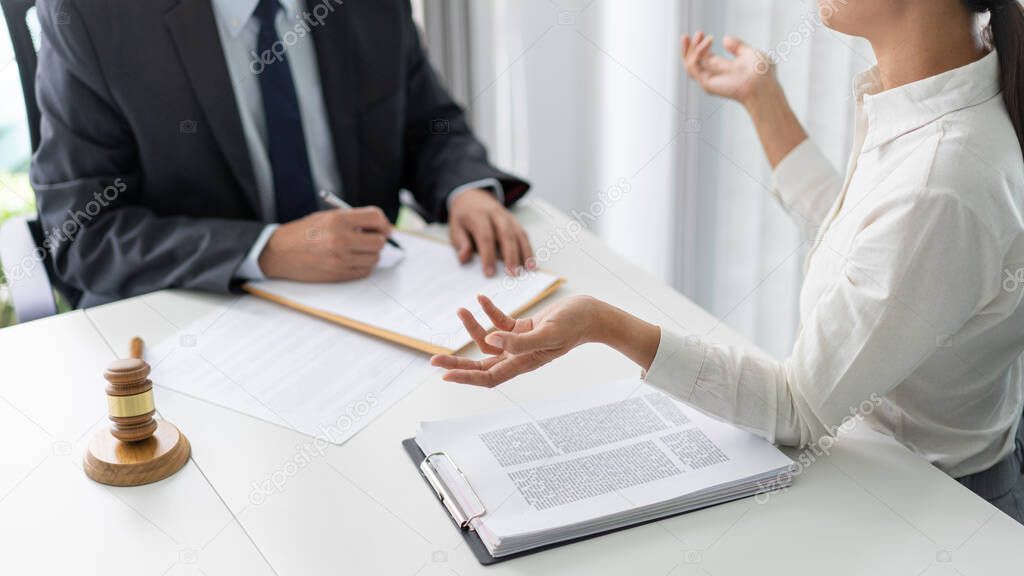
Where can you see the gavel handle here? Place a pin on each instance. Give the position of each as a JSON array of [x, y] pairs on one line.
[[135, 350]]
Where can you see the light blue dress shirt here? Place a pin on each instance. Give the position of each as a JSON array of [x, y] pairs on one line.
[[238, 32]]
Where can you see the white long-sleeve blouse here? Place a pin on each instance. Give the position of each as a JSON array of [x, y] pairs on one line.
[[911, 308]]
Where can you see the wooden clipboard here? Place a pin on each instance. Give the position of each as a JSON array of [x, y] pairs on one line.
[[390, 336]]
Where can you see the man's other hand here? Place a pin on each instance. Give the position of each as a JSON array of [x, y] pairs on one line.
[[478, 221]]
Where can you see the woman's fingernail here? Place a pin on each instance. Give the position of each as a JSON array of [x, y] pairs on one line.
[[495, 340]]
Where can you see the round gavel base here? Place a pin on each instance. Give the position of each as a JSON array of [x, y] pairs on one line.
[[111, 461]]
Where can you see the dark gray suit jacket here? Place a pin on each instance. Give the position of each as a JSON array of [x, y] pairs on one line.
[[143, 179]]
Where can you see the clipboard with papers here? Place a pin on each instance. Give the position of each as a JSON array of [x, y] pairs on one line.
[[587, 465], [412, 303], [470, 536]]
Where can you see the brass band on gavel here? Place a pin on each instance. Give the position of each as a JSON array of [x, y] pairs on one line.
[[130, 399]]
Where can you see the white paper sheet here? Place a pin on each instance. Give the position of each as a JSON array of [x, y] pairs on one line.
[[419, 296], [390, 257], [288, 368]]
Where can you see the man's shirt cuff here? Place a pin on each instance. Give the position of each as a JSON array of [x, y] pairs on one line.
[[249, 269], [491, 183]]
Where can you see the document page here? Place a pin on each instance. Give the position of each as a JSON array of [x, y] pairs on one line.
[[615, 450], [288, 368], [418, 296]]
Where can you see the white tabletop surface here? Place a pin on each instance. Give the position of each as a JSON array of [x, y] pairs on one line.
[[870, 507]]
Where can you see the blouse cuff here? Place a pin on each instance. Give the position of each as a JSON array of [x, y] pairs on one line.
[[677, 365]]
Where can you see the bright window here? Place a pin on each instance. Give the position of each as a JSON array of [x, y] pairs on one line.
[[16, 195]]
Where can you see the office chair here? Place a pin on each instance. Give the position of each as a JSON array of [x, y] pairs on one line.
[[19, 14], [26, 263]]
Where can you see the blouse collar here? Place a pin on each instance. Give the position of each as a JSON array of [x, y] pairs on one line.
[[893, 113]]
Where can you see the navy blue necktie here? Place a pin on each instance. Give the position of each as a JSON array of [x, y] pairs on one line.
[[294, 195]]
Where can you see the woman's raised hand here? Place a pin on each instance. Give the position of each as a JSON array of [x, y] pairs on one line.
[[748, 78], [739, 78], [519, 346]]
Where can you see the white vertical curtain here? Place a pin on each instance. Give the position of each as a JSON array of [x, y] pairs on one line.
[[586, 95]]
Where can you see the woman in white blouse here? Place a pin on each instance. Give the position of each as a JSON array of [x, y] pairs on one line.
[[911, 302]]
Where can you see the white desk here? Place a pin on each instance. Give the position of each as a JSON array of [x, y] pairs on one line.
[[53, 520], [871, 507]]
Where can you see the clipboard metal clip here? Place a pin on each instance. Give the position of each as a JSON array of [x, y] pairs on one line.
[[445, 494]]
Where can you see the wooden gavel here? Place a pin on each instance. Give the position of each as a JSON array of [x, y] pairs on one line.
[[136, 448], [130, 396]]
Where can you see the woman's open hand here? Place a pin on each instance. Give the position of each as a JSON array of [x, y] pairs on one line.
[[739, 78], [523, 345]]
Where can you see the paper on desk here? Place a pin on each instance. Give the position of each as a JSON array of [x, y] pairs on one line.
[[390, 257], [288, 368], [417, 299]]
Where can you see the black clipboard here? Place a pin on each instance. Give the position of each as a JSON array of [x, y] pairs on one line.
[[476, 545], [473, 541]]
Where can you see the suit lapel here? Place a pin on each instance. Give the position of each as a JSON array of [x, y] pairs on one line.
[[194, 30], [336, 61]]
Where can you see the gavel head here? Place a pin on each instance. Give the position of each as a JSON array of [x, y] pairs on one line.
[[130, 400]]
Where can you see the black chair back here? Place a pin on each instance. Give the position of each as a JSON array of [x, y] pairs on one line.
[[17, 13]]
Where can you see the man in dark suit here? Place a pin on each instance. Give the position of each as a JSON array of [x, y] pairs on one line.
[[184, 144]]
